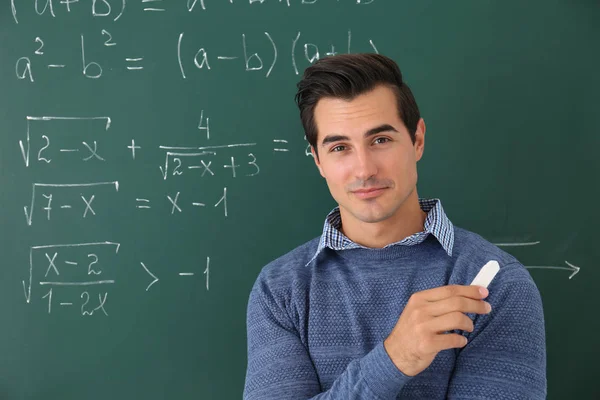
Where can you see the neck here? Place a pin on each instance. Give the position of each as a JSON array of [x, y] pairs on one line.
[[408, 220]]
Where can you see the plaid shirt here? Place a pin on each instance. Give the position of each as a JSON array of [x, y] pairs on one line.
[[436, 223]]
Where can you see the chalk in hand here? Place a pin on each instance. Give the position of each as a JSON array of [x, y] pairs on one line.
[[486, 274]]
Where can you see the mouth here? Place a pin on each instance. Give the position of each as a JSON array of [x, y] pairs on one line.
[[368, 193]]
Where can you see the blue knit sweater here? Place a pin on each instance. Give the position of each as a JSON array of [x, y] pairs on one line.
[[317, 330]]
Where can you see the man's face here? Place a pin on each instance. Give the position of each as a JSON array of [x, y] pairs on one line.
[[366, 154]]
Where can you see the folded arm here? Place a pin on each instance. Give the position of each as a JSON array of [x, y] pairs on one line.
[[280, 367]]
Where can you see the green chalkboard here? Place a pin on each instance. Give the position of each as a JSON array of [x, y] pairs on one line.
[[153, 161]]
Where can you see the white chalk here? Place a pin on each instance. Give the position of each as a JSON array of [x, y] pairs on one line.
[[486, 274]]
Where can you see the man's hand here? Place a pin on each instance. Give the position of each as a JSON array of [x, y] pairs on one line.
[[419, 333]]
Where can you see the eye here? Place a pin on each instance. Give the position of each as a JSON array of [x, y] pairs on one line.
[[381, 140], [338, 148]]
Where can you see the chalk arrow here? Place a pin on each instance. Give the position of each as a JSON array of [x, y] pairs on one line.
[[570, 267], [152, 275], [515, 244]]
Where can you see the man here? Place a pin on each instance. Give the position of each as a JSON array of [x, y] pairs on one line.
[[380, 305]]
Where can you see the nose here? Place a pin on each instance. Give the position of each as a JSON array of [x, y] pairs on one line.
[[366, 165]]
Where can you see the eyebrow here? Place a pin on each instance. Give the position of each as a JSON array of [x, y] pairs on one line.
[[373, 131]]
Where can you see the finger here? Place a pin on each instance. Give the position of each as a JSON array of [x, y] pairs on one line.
[[435, 344], [449, 341], [458, 303], [449, 322], [444, 292]]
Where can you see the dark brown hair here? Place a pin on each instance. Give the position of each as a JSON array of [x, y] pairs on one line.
[[347, 76]]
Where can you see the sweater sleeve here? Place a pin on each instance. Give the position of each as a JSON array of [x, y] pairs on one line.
[[505, 357], [280, 367]]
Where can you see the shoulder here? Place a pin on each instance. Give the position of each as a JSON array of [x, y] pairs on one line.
[[280, 283], [289, 267], [472, 251]]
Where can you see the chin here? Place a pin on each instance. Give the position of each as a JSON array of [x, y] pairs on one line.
[[373, 215]]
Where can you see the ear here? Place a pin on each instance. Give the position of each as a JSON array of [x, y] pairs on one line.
[[317, 162], [420, 139]]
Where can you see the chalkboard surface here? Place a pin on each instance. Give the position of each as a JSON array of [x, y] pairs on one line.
[[153, 161]]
